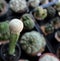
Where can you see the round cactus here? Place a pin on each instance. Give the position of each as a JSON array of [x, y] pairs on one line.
[[51, 12], [32, 42], [34, 3], [4, 30], [49, 28], [57, 6], [28, 22], [40, 13], [18, 6], [55, 21]]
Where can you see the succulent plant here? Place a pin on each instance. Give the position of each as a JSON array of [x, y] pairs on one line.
[[4, 30], [32, 42], [41, 13], [49, 28], [55, 21], [28, 22], [18, 5], [16, 26], [34, 3], [51, 12], [57, 6]]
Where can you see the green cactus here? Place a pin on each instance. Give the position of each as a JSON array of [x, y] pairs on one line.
[[57, 6], [12, 44], [15, 26], [51, 12], [41, 13], [32, 42], [55, 21], [1, 7], [4, 31], [49, 28], [28, 22]]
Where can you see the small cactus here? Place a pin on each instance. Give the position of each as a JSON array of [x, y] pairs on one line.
[[57, 6], [40, 13], [16, 26], [51, 12], [28, 22], [49, 28], [4, 31], [32, 42], [55, 21]]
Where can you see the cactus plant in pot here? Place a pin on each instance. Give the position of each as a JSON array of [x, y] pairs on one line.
[[12, 50], [3, 9], [4, 32]]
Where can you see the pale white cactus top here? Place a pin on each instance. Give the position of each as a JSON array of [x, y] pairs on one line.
[[16, 26], [17, 5]]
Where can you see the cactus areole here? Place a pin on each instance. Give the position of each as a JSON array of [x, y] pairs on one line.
[[16, 27]]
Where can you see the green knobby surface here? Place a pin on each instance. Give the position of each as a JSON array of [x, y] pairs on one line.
[[55, 21], [12, 44], [41, 13], [49, 28], [51, 12], [4, 30], [58, 6], [28, 22]]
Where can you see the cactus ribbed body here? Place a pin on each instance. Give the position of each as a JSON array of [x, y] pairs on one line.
[[13, 41]]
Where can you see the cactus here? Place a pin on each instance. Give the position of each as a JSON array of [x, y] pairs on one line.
[[16, 27], [41, 13], [57, 6], [4, 31], [51, 12], [34, 3], [49, 28], [28, 22], [12, 44], [55, 21], [32, 42], [18, 5]]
